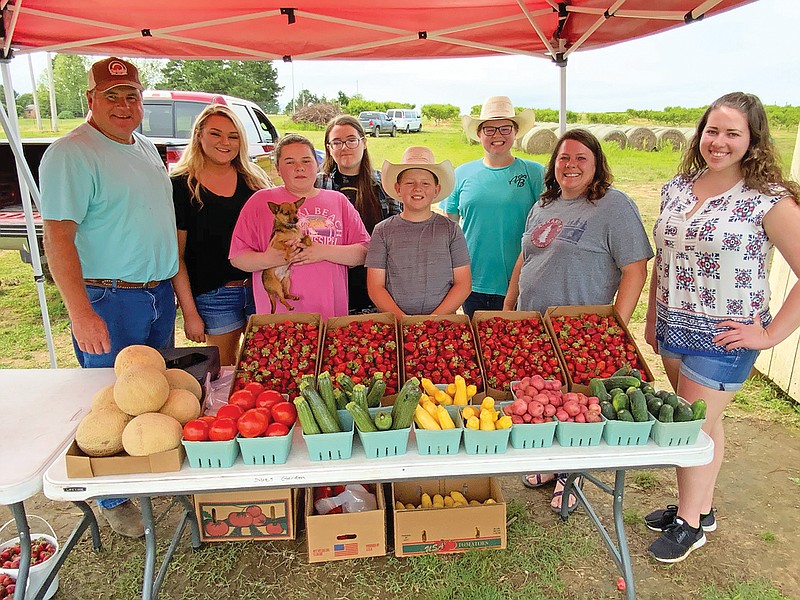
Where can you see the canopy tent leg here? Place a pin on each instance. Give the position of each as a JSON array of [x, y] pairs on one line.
[[28, 190], [562, 108]]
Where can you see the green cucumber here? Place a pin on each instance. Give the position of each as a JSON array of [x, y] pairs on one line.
[[665, 414], [620, 401], [596, 388], [654, 405], [607, 410], [628, 372], [699, 409], [306, 417], [683, 414], [615, 391], [383, 420], [648, 389], [672, 400], [621, 381], [328, 422], [361, 417], [638, 405], [624, 415], [663, 394]]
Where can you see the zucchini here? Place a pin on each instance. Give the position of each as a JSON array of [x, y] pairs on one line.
[[683, 414], [596, 388], [359, 395], [383, 420], [361, 417], [406, 404], [341, 398], [325, 387], [654, 405], [621, 381], [607, 410], [621, 401], [638, 405], [308, 378], [345, 383], [624, 415], [699, 409], [327, 422], [376, 390], [665, 414], [306, 417]]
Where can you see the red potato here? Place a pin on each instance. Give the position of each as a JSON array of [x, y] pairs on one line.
[[541, 398], [527, 418], [562, 415], [517, 420], [572, 408], [581, 418], [537, 381], [519, 406], [536, 409], [549, 410]]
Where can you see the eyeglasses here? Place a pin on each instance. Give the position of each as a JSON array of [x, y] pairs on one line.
[[503, 129], [349, 142]]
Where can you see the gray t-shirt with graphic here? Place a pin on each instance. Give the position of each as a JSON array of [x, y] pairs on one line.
[[573, 250], [419, 259]]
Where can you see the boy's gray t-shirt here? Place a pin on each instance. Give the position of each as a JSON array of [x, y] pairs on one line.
[[419, 259], [573, 250]]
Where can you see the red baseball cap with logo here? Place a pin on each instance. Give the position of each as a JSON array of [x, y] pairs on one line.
[[113, 72]]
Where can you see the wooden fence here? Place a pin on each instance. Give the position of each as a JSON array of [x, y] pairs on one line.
[[782, 363]]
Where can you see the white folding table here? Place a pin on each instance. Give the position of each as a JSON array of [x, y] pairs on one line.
[[299, 471], [41, 409]]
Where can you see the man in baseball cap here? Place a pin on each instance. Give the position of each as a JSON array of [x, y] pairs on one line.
[[109, 234], [113, 72]]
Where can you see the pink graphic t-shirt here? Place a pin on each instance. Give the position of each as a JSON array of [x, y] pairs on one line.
[[328, 218]]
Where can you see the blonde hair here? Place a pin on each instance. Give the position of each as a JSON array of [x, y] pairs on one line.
[[193, 160]]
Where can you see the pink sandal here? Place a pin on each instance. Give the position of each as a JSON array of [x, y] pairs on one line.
[[539, 479]]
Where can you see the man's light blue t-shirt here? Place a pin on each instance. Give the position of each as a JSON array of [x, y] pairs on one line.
[[121, 198], [493, 205]]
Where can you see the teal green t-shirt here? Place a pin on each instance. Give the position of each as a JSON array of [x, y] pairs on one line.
[[493, 205], [121, 198]]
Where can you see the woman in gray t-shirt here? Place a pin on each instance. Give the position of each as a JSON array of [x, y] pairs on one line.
[[584, 243]]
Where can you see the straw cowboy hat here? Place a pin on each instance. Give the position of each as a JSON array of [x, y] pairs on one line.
[[498, 107], [418, 157]]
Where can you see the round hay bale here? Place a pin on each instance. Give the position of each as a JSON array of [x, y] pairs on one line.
[[610, 133], [641, 138], [539, 140], [670, 137]]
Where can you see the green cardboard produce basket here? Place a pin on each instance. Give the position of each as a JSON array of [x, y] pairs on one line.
[[211, 455], [531, 435], [579, 434], [379, 444], [484, 442], [271, 450], [332, 446], [447, 441], [676, 434], [627, 433]]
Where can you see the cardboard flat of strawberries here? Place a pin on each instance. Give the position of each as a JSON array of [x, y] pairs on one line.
[[260, 365], [364, 355], [440, 350], [602, 310], [514, 372]]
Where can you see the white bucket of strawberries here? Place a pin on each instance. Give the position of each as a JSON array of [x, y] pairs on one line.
[[43, 547]]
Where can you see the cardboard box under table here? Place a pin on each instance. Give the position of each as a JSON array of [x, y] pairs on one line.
[[453, 529], [346, 535], [602, 310], [509, 315], [386, 318], [249, 515], [79, 465]]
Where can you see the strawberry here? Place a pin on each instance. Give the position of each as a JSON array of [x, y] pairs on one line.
[[440, 350]]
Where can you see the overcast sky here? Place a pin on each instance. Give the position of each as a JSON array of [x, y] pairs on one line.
[[754, 49]]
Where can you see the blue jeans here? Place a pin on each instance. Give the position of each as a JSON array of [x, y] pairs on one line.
[[225, 309], [478, 301], [136, 316]]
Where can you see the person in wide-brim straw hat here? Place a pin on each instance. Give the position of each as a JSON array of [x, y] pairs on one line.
[[498, 107], [418, 157]]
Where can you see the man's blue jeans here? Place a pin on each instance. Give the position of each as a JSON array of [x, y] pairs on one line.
[[478, 301], [137, 316]]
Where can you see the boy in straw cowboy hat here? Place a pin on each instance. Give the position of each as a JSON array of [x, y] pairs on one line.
[[492, 197], [418, 263]]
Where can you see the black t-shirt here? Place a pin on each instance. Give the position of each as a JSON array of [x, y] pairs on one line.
[[208, 233]]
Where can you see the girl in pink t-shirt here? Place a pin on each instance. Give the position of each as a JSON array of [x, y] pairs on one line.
[[318, 272]]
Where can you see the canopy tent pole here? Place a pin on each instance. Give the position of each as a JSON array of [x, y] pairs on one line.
[[562, 108], [36, 106], [52, 88], [28, 190]]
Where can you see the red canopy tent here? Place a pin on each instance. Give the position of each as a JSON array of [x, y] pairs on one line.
[[322, 29]]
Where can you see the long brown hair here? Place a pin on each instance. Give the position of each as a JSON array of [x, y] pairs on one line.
[[193, 161], [602, 179], [760, 164], [367, 202]]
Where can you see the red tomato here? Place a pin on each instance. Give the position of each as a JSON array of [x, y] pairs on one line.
[[243, 398], [252, 423], [230, 411], [269, 398], [267, 414], [195, 430], [276, 429], [254, 388], [284, 412], [207, 418], [222, 430]]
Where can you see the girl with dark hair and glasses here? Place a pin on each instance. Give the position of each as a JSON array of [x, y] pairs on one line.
[[347, 169]]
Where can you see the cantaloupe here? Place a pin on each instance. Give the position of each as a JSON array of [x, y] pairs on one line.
[[181, 405], [150, 433], [141, 390], [138, 356], [180, 379], [104, 398], [100, 432]]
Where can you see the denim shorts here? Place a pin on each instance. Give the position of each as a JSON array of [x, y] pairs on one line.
[[725, 373], [226, 309]]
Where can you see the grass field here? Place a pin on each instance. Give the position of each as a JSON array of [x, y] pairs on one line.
[[546, 559]]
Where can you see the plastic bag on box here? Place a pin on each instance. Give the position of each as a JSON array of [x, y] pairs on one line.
[[354, 498], [217, 391]]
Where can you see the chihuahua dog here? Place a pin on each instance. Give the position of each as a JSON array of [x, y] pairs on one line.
[[277, 280]]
